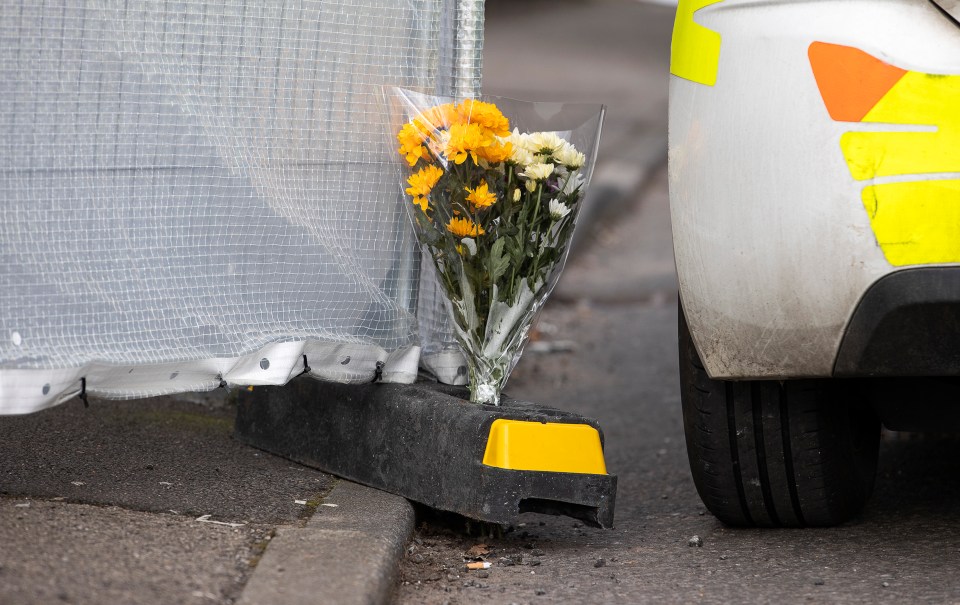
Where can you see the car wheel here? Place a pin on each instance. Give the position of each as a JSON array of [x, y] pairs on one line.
[[767, 453]]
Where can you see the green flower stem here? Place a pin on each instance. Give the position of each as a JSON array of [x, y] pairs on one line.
[[533, 223]]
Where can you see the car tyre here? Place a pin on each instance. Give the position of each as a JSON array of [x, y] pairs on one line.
[[767, 453]]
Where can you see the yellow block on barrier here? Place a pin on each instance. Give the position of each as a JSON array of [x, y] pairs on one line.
[[551, 447]]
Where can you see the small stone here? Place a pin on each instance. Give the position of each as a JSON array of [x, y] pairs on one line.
[[695, 541], [483, 574], [600, 562], [536, 552], [886, 584], [511, 560], [534, 563], [818, 582], [540, 592], [452, 577], [416, 558], [723, 557]]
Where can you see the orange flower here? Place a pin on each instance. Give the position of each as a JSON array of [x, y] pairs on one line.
[[464, 227], [497, 152], [466, 140], [481, 196], [411, 143], [486, 115], [422, 181], [438, 118], [422, 202]]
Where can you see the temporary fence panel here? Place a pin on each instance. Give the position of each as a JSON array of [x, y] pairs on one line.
[[199, 193]]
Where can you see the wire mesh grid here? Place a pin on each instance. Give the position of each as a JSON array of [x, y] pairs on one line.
[[192, 180]]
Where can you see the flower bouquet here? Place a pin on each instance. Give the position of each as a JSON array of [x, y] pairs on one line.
[[493, 200]]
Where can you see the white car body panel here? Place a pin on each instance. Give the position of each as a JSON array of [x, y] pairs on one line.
[[774, 247]]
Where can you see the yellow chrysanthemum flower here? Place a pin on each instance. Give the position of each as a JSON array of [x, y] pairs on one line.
[[422, 181], [411, 140], [466, 140], [439, 117], [464, 227], [498, 151], [481, 196], [486, 115], [422, 202]]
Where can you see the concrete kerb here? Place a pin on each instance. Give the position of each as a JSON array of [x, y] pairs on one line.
[[347, 553], [349, 550]]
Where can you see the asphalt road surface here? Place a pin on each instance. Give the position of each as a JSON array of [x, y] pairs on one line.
[[617, 304], [619, 308]]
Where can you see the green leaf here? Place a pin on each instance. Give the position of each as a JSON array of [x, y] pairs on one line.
[[498, 262]]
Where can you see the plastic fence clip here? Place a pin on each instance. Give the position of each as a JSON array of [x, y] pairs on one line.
[[378, 373], [306, 366], [223, 383], [83, 392]]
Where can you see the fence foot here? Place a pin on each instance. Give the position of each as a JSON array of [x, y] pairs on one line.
[[427, 443]]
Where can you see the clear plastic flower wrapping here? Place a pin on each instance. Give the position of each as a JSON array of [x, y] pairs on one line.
[[493, 188]]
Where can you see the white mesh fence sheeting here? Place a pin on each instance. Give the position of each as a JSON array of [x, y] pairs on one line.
[[197, 192]]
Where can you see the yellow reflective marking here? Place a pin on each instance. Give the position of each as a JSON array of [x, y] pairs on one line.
[[695, 50], [916, 222], [917, 99], [552, 447]]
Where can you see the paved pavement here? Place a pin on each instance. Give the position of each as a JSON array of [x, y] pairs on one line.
[[151, 501]]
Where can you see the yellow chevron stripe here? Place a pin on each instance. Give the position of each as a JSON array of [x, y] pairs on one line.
[[918, 99], [694, 49], [916, 222]]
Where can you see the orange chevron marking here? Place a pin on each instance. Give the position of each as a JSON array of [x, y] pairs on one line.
[[851, 82], [915, 221]]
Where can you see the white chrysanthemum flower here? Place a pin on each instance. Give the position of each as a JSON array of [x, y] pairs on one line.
[[544, 142], [531, 186], [514, 138], [516, 195], [537, 172], [558, 210], [521, 156], [569, 156], [573, 183], [471, 245]]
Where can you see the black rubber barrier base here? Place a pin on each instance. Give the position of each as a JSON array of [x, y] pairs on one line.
[[424, 442]]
